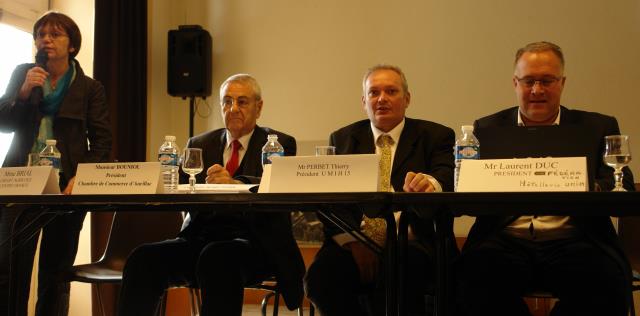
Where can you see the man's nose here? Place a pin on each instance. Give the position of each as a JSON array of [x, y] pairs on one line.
[[537, 88], [382, 97]]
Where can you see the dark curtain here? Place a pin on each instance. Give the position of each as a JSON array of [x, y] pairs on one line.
[[120, 63]]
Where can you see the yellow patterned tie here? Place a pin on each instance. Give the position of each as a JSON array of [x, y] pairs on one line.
[[376, 228]]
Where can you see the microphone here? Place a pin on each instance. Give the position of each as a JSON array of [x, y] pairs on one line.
[[41, 61]]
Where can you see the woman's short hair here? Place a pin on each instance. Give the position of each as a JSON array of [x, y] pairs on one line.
[[59, 20]]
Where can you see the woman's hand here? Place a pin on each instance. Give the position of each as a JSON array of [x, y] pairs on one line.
[[35, 78]]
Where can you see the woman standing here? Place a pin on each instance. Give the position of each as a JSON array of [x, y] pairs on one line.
[[73, 111]]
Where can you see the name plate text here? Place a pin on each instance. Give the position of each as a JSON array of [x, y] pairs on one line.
[[335, 173], [524, 175], [29, 181], [118, 178]]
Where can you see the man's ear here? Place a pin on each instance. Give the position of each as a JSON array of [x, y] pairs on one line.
[[259, 108], [408, 99]]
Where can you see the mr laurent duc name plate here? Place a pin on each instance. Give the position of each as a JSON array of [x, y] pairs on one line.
[[524, 175]]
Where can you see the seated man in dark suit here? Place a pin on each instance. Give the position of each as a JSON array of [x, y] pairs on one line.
[[222, 252], [578, 259], [420, 155]]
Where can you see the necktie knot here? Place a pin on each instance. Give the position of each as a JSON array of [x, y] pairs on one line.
[[384, 140], [235, 145]]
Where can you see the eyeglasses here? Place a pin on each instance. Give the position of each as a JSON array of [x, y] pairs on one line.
[[241, 102], [546, 82], [53, 35]]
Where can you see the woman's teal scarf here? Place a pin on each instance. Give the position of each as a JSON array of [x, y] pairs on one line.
[[50, 105]]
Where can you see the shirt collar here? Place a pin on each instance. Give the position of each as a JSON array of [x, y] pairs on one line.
[[394, 133], [244, 140], [556, 122]]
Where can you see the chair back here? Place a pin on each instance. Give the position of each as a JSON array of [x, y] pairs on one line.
[[132, 229]]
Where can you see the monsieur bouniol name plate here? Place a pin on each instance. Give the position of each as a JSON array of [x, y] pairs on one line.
[[524, 175], [28, 181], [335, 173], [118, 178]]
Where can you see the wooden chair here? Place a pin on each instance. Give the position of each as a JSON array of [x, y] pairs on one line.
[[128, 231]]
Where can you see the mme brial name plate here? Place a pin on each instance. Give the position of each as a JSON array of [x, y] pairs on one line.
[[524, 175], [29, 181]]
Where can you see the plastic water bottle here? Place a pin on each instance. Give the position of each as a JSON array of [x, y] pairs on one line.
[[168, 157], [271, 148], [467, 147], [50, 155]]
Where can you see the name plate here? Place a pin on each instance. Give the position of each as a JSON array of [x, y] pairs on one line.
[[524, 175], [118, 178], [29, 181], [341, 173]]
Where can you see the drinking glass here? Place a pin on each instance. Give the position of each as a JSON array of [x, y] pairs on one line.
[[617, 155], [325, 150], [33, 160], [192, 164]]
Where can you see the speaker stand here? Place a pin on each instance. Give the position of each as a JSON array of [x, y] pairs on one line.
[[192, 113]]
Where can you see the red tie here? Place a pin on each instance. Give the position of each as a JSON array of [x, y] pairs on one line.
[[232, 164]]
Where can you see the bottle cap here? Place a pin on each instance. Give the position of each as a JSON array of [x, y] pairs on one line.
[[170, 138], [50, 142], [272, 136], [467, 128]]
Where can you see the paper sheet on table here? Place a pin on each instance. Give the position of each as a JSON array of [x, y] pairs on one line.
[[217, 188]]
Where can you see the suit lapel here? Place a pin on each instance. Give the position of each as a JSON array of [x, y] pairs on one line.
[[251, 164], [219, 148], [405, 147], [509, 119], [567, 116], [362, 141]]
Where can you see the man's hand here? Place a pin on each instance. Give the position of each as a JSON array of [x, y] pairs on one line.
[[219, 175], [417, 182], [35, 78], [69, 187], [365, 258]]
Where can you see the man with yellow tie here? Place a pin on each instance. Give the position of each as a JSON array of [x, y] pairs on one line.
[[416, 156]]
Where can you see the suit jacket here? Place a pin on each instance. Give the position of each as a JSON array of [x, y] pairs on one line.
[[424, 146], [83, 117], [273, 229], [597, 228]]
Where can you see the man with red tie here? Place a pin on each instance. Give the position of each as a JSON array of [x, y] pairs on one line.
[[222, 252]]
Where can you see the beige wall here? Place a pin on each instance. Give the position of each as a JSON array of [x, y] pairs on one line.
[[309, 57]]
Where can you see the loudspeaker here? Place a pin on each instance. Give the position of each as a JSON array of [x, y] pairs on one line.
[[189, 62]]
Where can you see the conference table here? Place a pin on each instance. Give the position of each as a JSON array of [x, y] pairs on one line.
[[440, 208], [443, 207], [328, 205]]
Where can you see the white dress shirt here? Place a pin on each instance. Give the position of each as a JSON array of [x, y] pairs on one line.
[[228, 148]]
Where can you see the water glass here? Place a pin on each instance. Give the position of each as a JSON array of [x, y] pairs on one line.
[[192, 165], [325, 150], [617, 155]]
